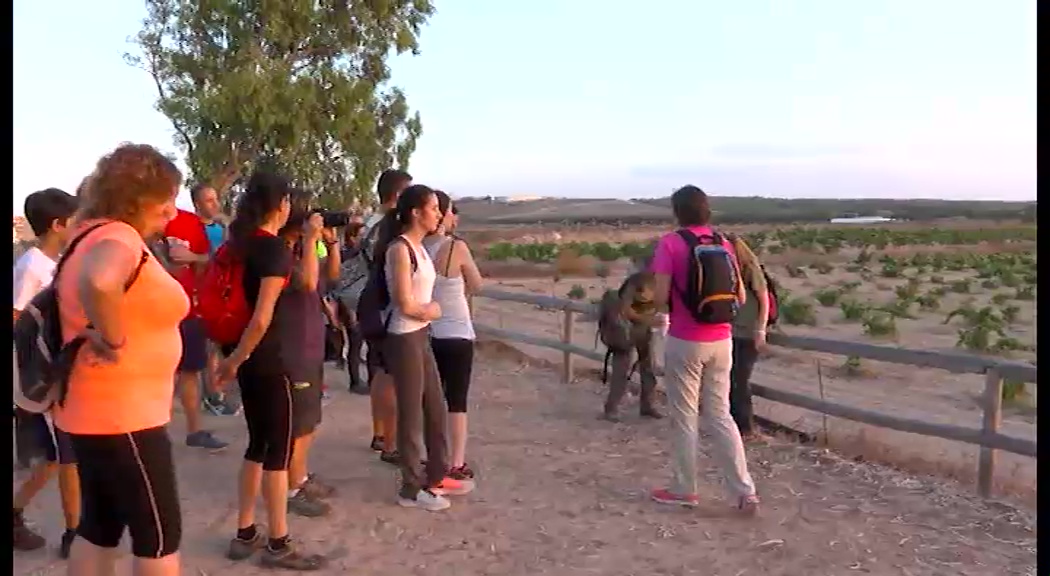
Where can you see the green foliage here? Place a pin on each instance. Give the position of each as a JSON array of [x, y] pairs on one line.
[[827, 297], [1025, 293], [1012, 390], [880, 324], [929, 302], [577, 292], [852, 310], [796, 311], [890, 270], [298, 86], [960, 286]]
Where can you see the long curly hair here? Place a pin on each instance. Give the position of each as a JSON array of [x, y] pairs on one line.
[[126, 180]]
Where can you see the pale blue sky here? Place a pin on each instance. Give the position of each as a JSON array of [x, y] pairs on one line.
[[804, 98]]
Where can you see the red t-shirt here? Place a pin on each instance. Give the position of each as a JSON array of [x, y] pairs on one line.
[[187, 229]]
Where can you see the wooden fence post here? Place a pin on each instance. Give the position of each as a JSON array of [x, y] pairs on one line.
[[567, 326], [993, 417]]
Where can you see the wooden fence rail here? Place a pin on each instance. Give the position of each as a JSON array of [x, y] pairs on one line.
[[995, 370]]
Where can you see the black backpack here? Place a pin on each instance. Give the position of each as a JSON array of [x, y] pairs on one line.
[[716, 301], [375, 297], [44, 362]]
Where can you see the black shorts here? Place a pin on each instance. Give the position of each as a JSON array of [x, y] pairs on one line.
[[266, 399], [128, 481], [306, 404], [40, 438], [194, 345], [455, 362], [374, 357]]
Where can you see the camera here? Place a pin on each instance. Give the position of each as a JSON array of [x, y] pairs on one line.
[[333, 218]]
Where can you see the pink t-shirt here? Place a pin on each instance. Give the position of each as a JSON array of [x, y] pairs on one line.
[[672, 258]]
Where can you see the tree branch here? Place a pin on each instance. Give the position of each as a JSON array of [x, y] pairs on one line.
[[163, 96]]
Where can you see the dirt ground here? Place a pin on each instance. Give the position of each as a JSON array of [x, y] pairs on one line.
[[564, 493], [930, 394]]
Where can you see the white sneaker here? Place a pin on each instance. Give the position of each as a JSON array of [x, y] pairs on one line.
[[426, 500]]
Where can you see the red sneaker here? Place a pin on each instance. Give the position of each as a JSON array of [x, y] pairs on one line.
[[664, 496]]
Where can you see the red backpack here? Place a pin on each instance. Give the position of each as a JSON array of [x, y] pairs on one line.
[[221, 303]]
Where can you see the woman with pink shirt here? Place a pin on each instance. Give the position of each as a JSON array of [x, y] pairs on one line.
[[698, 357]]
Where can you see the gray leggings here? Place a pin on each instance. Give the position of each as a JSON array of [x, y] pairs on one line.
[[421, 409]]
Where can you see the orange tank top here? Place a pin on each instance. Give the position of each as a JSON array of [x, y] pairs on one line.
[[135, 392]]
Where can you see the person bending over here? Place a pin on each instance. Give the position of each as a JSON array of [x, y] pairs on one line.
[[627, 317]]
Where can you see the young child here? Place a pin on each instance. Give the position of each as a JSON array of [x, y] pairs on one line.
[[627, 317], [48, 213]]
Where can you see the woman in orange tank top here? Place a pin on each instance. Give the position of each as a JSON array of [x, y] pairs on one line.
[[112, 290]]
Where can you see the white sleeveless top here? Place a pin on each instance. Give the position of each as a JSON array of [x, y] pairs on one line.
[[451, 295], [422, 291]]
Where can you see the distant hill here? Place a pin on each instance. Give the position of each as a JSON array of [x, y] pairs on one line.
[[733, 209]]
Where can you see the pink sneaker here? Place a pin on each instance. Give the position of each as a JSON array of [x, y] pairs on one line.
[[664, 496], [453, 487]]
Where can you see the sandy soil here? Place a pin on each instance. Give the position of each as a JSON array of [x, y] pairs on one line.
[[563, 493], [935, 395]]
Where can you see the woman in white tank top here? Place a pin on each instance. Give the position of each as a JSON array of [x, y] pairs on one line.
[[452, 335], [409, 274]]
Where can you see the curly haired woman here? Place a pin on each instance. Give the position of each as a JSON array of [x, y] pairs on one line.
[[115, 294]]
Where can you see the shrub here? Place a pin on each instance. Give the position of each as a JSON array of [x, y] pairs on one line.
[[929, 301], [880, 325], [797, 311], [853, 310], [890, 270], [824, 267], [577, 292], [827, 297], [960, 286]]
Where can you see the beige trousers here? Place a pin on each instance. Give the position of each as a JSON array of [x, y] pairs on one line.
[[692, 368]]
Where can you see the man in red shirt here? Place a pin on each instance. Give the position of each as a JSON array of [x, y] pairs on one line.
[[188, 249]]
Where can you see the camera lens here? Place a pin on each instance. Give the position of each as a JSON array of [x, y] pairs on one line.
[[335, 219]]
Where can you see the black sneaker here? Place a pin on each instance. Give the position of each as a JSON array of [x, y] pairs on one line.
[[461, 473], [393, 457], [377, 443], [307, 506], [288, 558], [67, 543], [243, 549]]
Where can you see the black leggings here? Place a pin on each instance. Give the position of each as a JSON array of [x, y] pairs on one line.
[[128, 481], [266, 397], [745, 354], [455, 361]]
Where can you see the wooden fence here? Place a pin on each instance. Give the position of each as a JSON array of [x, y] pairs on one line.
[[995, 371]]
